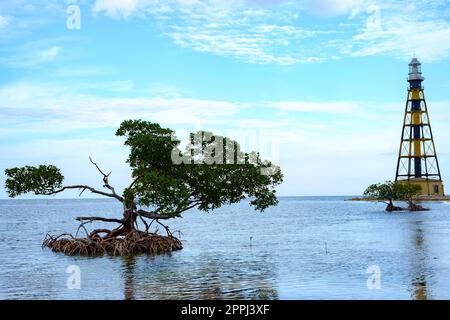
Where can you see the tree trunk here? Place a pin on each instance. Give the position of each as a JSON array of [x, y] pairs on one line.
[[129, 218], [391, 207]]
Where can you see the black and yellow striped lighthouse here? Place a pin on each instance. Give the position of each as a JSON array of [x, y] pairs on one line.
[[417, 159]]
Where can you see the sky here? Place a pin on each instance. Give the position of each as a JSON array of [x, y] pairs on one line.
[[319, 87]]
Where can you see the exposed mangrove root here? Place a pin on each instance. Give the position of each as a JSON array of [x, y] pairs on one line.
[[411, 207], [391, 207], [135, 242], [416, 207]]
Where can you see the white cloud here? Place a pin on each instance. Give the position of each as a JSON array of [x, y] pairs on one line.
[[56, 108], [32, 59], [250, 47], [226, 28], [48, 54], [234, 30], [428, 40], [114, 86], [77, 71], [274, 31], [25, 17], [116, 8], [283, 32], [328, 8], [404, 29], [320, 107], [3, 22]]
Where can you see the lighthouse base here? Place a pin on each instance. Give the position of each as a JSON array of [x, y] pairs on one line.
[[430, 187]]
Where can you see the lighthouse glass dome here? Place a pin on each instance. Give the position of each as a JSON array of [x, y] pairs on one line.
[[415, 70]]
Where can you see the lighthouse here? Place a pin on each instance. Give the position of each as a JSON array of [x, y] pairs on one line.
[[417, 158]]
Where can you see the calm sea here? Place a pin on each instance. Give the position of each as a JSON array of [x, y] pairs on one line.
[[305, 248]]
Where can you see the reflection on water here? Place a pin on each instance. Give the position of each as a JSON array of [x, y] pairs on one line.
[[128, 277], [419, 290], [207, 277], [236, 253]]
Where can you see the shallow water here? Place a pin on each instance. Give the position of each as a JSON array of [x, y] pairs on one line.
[[305, 248]]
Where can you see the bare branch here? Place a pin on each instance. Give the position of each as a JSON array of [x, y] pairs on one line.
[[192, 205], [99, 219], [97, 231], [82, 191], [82, 223], [156, 216], [165, 227], [84, 187], [105, 177], [143, 221], [152, 215], [134, 181]]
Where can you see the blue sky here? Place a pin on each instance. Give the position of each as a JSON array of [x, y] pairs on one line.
[[317, 86]]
